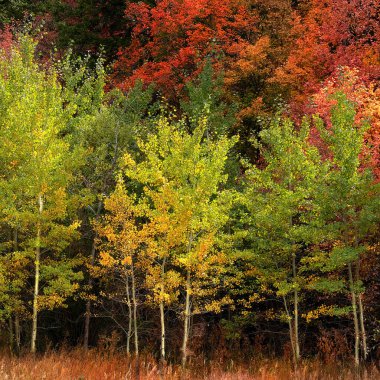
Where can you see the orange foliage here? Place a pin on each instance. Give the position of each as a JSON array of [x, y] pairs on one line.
[[333, 33]]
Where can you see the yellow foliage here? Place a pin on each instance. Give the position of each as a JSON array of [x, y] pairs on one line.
[[127, 260], [106, 259], [316, 313]]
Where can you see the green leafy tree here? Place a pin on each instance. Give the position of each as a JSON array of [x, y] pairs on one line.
[[207, 88], [39, 166], [87, 24], [349, 204], [14, 10], [105, 125], [281, 219]]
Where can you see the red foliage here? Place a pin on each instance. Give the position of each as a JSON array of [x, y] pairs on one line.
[[6, 39], [171, 39], [333, 33]]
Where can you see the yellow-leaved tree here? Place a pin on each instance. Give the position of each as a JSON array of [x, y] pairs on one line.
[[121, 236], [183, 177]]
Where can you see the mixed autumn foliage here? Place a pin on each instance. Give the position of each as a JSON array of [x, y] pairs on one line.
[[191, 180]]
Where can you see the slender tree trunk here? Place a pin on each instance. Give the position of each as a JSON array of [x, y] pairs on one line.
[[17, 334], [355, 314], [37, 277], [162, 312], [186, 325], [129, 303], [11, 335], [17, 318], [11, 330], [88, 303], [290, 324], [162, 351], [134, 300], [361, 315], [296, 333], [162, 319], [362, 327]]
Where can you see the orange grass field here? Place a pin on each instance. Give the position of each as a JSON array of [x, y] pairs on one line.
[[77, 365]]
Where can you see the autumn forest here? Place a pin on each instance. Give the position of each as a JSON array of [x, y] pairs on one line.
[[189, 189]]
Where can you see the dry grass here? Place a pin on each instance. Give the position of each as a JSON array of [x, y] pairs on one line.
[[77, 365]]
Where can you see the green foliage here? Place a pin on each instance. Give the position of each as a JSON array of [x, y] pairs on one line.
[[348, 196], [37, 165], [348, 200], [281, 213], [86, 25], [109, 131], [13, 10], [206, 89], [326, 285], [155, 193]]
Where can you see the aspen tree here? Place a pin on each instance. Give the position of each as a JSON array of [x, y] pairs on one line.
[[281, 214], [183, 174], [123, 237], [33, 121], [349, 204]]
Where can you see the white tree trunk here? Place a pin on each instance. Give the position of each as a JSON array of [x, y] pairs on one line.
[[134, 300], [186, 325], [162, 319], [362, 327], [88, 303], [363, 333], [296, 333], [290, 324], [355, 315], [130, 317], [37, 277]]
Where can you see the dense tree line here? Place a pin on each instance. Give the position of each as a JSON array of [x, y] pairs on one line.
[[204, 184]]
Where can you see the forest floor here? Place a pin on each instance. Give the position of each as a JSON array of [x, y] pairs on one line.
[[77, 365]]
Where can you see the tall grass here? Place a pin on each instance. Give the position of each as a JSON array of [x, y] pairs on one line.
[[78, 365]]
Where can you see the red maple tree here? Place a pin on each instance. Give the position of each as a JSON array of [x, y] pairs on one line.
[[333, 33], [6, 38], [171, 39]]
